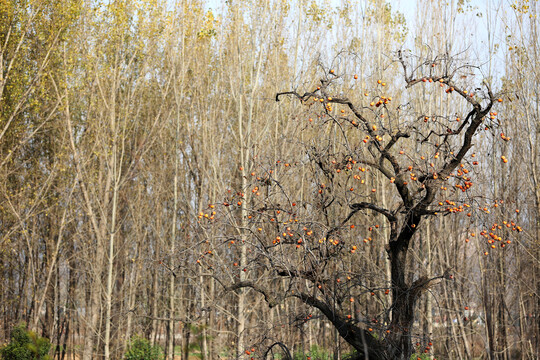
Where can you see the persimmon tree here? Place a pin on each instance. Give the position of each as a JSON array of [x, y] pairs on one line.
[[302, 220]]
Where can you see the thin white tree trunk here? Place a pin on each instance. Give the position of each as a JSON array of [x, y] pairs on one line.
[[116, 170], [172, 282]]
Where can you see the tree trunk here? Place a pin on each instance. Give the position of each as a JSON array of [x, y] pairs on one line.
[[400, 345], [404, 295]]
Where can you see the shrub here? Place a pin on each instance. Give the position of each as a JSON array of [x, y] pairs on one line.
[[315, 353], [25, 345], [420, 356], [141, 349], [352, 355]]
